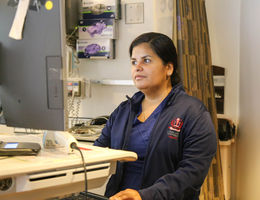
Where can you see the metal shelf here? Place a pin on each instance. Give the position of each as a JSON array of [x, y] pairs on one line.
[[113, 82]]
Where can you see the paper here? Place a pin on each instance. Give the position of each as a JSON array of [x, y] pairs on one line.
[[19, 19]]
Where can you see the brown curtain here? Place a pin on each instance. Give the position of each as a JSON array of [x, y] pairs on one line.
[[195, 67]]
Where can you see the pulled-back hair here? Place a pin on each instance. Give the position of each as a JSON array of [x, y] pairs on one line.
[[163, 46]]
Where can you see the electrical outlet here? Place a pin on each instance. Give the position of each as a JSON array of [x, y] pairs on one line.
[[74, 88], [77, 87]]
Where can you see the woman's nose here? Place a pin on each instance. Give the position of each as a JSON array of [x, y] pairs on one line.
[[139, 66]]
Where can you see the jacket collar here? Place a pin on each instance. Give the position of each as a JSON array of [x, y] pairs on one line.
[[176, 89], [137, 98]]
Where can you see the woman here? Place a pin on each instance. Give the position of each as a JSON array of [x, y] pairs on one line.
[[171, 132]]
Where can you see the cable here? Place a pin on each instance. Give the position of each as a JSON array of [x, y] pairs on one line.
[[87, 194], [1, 111], [73, 145]]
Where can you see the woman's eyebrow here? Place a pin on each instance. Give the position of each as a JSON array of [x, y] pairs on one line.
[[141, 57]]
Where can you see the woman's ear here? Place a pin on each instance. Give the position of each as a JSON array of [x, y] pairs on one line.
[[170, 69]]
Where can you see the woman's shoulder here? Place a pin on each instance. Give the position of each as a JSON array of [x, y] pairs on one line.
[[130, 101], [179, 94], [189, 103]]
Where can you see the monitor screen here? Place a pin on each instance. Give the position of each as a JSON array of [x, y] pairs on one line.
[[32, 69]]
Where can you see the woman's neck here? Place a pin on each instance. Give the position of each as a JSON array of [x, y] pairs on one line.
[[156, 97], [151, 102]]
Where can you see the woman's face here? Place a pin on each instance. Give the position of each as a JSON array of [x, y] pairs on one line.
[[148, 71]]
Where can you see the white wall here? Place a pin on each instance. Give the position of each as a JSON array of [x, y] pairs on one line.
[[224, 31], [104, 99], [249, 117], [224, 24], [235, 44]]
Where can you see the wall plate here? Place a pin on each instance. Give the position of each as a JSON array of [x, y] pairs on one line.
[[134, 13]]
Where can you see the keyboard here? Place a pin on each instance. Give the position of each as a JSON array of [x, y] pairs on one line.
[[84, 196]]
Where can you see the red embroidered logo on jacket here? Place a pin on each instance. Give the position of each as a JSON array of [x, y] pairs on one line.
[[175, 128]]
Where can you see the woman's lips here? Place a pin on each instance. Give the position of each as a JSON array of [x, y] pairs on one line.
[[139, 77]]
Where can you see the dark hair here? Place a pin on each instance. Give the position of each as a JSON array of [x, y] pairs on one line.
[[163, 46]]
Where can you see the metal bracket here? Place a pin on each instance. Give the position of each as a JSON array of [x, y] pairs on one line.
[[35, 5]]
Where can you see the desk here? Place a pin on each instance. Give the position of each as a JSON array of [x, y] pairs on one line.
[[53, 173]]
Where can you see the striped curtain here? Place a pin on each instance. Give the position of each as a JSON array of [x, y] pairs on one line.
[[190, 32]]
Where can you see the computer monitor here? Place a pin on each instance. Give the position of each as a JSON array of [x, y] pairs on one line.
[[32, 70]]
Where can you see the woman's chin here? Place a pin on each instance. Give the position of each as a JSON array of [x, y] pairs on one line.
[[140, 86]]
